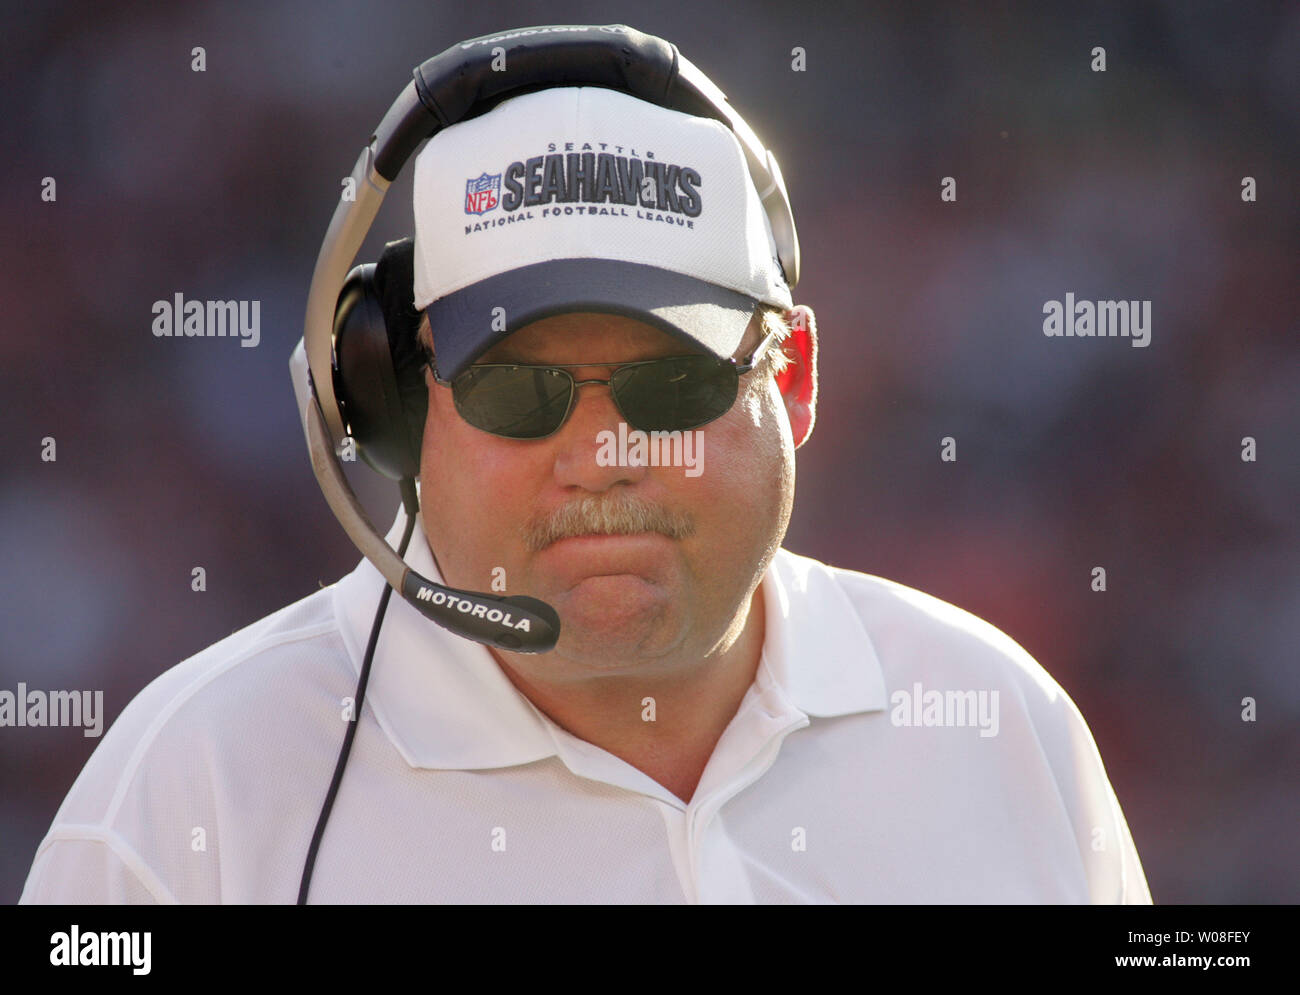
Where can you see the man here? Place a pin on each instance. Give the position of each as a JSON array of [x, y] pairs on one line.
[[721, 720]]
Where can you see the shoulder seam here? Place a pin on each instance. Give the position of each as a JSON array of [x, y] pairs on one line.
[[120, 848]]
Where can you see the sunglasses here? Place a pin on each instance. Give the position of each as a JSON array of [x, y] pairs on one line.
[[654, 395]]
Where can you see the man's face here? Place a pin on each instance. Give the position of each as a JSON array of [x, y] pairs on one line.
[[649, 601]]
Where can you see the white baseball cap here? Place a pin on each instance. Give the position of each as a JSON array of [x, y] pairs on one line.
[[587, 199]]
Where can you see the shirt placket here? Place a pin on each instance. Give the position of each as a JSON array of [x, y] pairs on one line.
[[748, 747]]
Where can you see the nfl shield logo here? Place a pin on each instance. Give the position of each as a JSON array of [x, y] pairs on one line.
[[481, 194]]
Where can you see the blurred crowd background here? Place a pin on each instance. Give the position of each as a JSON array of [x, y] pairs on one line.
[[1072, 453]]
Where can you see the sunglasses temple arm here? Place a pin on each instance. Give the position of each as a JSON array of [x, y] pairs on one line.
[[759, 351]]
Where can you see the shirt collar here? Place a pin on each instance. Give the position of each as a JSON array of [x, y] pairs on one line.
[[445, 704]]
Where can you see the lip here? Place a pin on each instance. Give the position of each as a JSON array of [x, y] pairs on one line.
[[598, 541], [597, 555], [609, 535]]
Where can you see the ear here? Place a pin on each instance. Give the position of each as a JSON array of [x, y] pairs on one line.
[[798, 383]]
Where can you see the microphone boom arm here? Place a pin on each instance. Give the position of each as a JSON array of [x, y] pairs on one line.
[[517, 623]]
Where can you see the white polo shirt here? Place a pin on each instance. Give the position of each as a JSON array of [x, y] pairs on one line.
[[892, 748]]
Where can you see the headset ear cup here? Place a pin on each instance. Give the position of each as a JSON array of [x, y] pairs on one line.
[[395, 280], [369, 342]]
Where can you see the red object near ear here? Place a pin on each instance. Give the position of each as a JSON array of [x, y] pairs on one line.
[[798, 381], [786, 376], [799, 348]]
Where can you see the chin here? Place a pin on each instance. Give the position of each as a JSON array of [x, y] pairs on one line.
[[618, 600], [605, 634]]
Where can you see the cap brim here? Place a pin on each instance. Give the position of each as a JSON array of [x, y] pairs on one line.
[[466, 323]]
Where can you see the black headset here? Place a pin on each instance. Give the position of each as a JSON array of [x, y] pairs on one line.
[[358, 371]]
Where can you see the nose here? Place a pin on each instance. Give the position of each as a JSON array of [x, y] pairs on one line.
[[587, 452]]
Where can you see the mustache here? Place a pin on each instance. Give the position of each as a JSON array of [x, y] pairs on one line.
[[623, 516]]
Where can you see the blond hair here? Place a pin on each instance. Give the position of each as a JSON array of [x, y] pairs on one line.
[[775, 361]]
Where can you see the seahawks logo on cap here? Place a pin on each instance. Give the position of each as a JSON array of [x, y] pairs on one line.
[[591, 178]]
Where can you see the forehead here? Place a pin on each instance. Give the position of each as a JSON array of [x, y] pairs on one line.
[[586, 337]]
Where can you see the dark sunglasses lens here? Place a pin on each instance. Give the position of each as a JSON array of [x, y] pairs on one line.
[[517, 402], [675, 394]]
